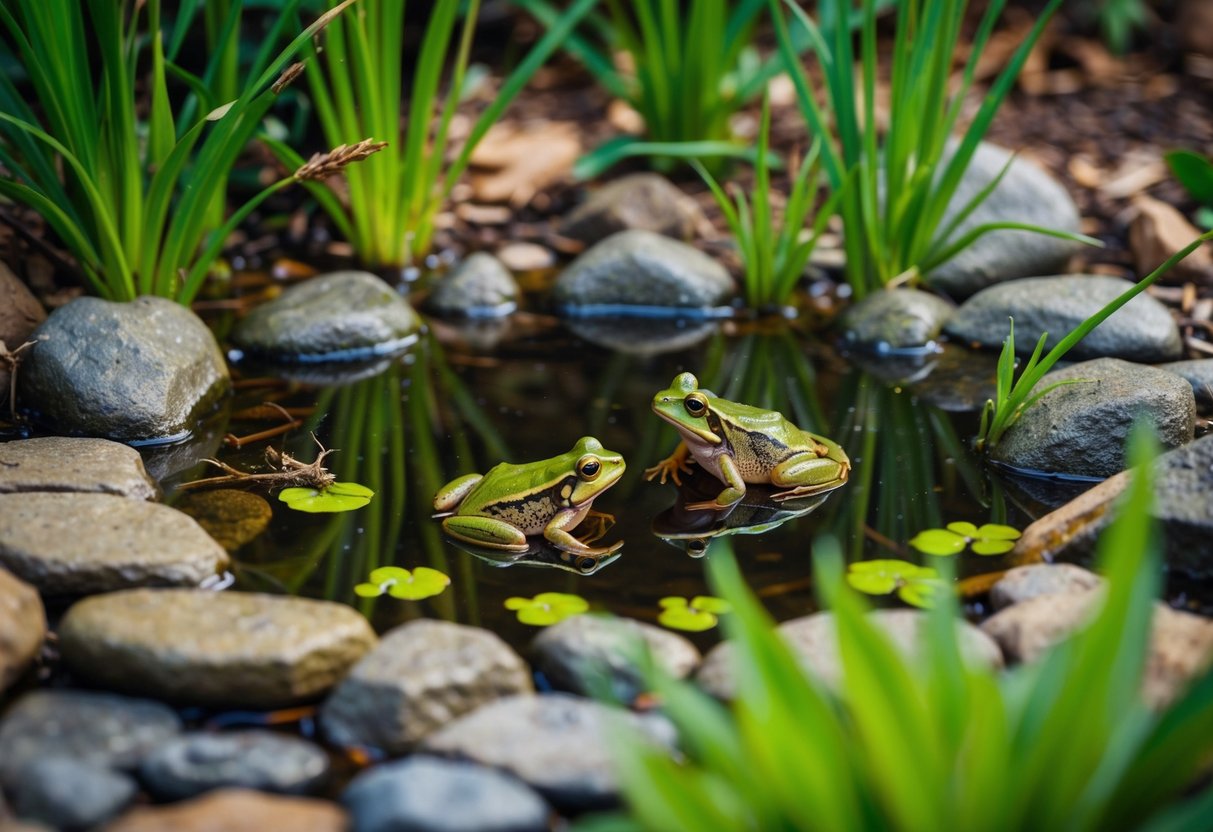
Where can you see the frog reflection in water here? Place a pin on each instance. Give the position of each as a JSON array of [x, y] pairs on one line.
[[498, 510], [740, 445]]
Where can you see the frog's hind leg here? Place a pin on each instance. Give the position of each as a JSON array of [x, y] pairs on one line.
[[486, 531], [452, 494], [806, 474]]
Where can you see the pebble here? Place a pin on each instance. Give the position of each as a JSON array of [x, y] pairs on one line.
[[1024, 583], [645, 201], [479, 287], [902, 319], [230, 516], [526, 257], [22, 627], [63, 463], [235, 810], [193, 763]]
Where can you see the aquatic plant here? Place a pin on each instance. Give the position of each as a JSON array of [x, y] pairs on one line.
[[393, 199], [930, 742], [914, 584], [134, 209], [1119, 19], [407, 584], [989, 539], [338, 496], [695, 615], [894, 212], [1195, 173], [547, 608]]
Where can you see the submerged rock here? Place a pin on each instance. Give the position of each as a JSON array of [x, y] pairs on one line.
[[70, 795], [429, 794], [641, 269], [235, 810], [341, 316], [421, 676], [79, 544], [895, 320], [238, 649], [638, 201], [1198, 373], [231, 517], [61, 463], [22, 627], [1026, 194], [142, 370], [479, 287], [1023, 583], [960, 379], [1081, 428], [194, 763]]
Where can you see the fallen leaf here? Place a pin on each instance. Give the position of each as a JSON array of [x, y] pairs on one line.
[[1135, 173], [515, 162], [1157, 232]]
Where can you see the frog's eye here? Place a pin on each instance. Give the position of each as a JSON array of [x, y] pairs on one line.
[[695, 404], [588, 467]]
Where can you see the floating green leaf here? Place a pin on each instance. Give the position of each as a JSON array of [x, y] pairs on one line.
[[340, 496], [914, 584], [547, 608], [699, 614], [990, 539], [411, 585]]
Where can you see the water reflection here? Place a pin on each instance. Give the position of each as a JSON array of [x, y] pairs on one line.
[[541, 553]]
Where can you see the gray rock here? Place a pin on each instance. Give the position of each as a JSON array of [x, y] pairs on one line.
[[127, 371], [554, 742], [69, 794], [191, 764], [1026, 194], [235, 810], [896, 320], [22, 627], [96, 729], [214, 648], [421, 676], [641, 268], [1199, 373], [428, 794], [1081, 429], [644, 201], [61, 463], [814, 640], [479, 287], [79, 544], [1024, 583], [1143, 330], [341, 316], [577, 649]]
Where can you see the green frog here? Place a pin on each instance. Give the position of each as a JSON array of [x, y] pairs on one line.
[[499, 509], [740, 444]]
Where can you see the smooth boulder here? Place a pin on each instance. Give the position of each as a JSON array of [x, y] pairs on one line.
[[898, 319], [638, 201], [65, 463], [22, 627], [479, 287], [194, 763]]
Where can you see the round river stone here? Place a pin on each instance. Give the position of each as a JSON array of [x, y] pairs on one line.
[[645, 201], [63, 463], [69, 794], [214, 648], [22, 627], [194, 763], [896, 320], [479, 287]]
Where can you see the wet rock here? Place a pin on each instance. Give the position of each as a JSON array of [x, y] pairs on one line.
[[1025, 194], [1180, 650], [61, 463], [895, 320], [1199, 373], [641, 269], [341, 316], [429, 794], [572, 652], [1142, 330], [79, 544], [214, 648], [68, 794], [644, 201], [191, 764], [1081, 429], [126, 371], [235, 810], [231, 517], [479, 287], [421, 676], [960, 380], [555, 743], [22, 627], [96, 729], [1024, 583], [814, 640]]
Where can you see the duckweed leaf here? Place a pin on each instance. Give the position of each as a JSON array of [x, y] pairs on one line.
[[340, 496], [914, 584], [547, 608], [699, 614], [422, 582], [990, 539], [941, 542]]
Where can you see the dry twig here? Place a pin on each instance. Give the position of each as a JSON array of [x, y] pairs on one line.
[[10, 360], [287, 472]]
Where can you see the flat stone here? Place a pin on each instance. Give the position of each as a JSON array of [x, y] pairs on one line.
[[421, 676], [22, 627], [141, 370], [1024, 583], [64, 463], [1199, 373], [191, 764], [1143, 330], [570, 654], [235, 810], [97, 729], [237, 649], [429, 794], [340, 316], [479, 287], [68, 794], [1026, 194], [1180, 650], [645, 201], [895, 320], [79, 544], [1081, 429], [814, 640], [553, 742], [641, 269], [230, 516]]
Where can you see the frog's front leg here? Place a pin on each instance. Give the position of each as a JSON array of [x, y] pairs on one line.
[[806, 474], [672, 467], [731, 495], [559, 532], [452, 494], [486, 531]]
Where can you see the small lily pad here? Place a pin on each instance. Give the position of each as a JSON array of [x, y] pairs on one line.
[[914, 584], [941, 542], [411, 585], [547, 608], [699, 614], [989, 539], [340, 496]]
